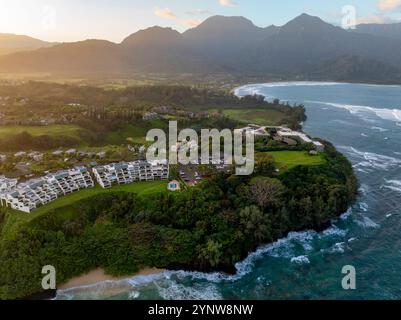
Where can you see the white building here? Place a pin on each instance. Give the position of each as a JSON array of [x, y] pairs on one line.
[[150, 116], [101, 154], [37, 156], [123, 173], [20, 154], [71, 152], [7, 184], [58, 153], [34, 193], [258, 131], [288, 133]]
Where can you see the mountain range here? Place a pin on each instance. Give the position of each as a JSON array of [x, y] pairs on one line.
[[306, 47], [11, 43]]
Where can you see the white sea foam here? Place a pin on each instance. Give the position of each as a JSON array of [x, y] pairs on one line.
[[339, 247], [347, 214], [176, 291], [367, 223], [134, 295], [334, 231], [300, 260], [363, 206], [364, 189], [364, 111], [379, 129], [258, 87], [394, 185], [369, 160]]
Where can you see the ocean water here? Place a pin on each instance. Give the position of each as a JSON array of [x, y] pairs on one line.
[[364, 122]]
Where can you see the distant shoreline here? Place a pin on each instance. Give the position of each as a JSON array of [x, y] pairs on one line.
[[99, 275]]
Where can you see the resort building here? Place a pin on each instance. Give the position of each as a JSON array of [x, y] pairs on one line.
[[150, 116], [37, 192], [296, 135], [36, 156], [71, 152], [20, 154], [7, 184], [292, 137], [258, 131], [128, 172]]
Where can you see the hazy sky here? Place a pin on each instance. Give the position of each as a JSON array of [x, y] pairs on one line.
[[71, 20]]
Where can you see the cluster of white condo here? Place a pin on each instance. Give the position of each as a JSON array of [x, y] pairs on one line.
[[29, 195], [122, 173], [34, 193]]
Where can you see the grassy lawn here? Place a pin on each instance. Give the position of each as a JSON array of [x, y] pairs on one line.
[[255, 116], [289, 159], [15, 218], [134, 133], [52, 130]]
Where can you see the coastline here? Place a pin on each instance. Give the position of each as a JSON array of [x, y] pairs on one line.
[[98, 275]]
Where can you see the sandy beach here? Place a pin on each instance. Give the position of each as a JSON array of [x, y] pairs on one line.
[[99, 275]]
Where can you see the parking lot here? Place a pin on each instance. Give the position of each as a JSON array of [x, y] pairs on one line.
[[190, 174]]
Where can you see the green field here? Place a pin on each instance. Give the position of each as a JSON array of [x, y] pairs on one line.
[[255, 116], [51, 130], [133, 133], [289, 159], [16, 218]]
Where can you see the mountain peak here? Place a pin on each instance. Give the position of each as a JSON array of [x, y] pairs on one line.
[[154, 34], [226, 23], [306, 21]]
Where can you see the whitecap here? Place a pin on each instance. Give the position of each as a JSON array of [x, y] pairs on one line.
[[367, 223], [133, 295], [363, 189], [363, 206], [300, 260], [175, 291], [370, 160], [364, 111], [339, 247], [394, 185], [334, 232], [379, 129]]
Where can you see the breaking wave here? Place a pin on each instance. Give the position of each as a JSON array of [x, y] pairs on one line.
[[175, 291], [394, 185], [363, 111], [370, 160]]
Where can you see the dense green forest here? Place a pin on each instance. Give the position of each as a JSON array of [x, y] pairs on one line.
[[209, 227]]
